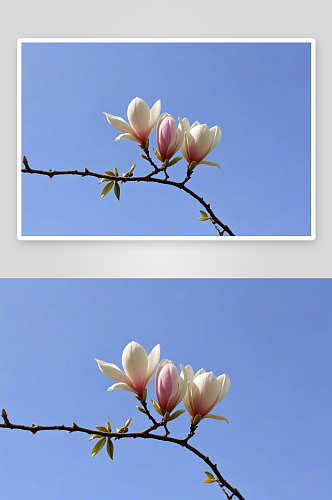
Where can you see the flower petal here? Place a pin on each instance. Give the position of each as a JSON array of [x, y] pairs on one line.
[[154, 114], [121, 385], [126, 136], [211, 163], [216, 417], [119, 123], [112, 371], [139, 118], [216, 137], [135, 364], [224, 384], [153, 360]]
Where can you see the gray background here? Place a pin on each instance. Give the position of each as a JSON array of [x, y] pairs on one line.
[[72, 19]]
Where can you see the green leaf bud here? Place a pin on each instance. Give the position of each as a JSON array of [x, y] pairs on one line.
[[117, 190], [156, 407], [175, 160], [106, 189], [175, 415], [98, 446], [197, 419], [110, 448]]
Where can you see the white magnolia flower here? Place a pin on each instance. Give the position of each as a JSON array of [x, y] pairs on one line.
[[204, 392], [142, 121], [199, 141], [170, 388], [138, 366]]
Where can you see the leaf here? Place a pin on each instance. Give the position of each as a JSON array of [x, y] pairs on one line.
[[94, 436], [157, 155], [101, 428], [116, 172], [103, 180], [197, 419], [156, 407], [109, 427], [106, 189], [110, 173], [209, 480], [204, 218], [209, 475], [98, 446], [140, 409], [203, 213], [192, 165], [110, 448], [117, 190], [175, 160], [165, 417], [143, 156], [175, 415], [144, 394]]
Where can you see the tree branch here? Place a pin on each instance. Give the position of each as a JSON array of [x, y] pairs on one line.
[[146, 434], [146, 178]]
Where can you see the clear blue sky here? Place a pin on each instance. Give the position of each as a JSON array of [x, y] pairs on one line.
[[259, 95], [272, 337]]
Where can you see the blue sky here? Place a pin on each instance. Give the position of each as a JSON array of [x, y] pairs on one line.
[[272, 337], [259, 95]]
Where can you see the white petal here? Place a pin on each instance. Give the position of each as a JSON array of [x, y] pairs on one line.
[[119, 123], [135, 363], [216, 136], [154, 114], [186, 124], [182, 383], [179, 135], [153, 360], [194, 125], [224, 384], [112, 371], [216, 417], [126, 136], [199, 372], [186, 399], [139, 115], [121, 385], [211, 163]]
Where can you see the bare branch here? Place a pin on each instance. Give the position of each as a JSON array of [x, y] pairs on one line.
[[146, 434], [146, 178]]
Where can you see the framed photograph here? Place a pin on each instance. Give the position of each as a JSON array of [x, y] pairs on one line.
[[166, 139]]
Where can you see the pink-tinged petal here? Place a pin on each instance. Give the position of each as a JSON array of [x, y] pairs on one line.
[[153, 360], [135, 364], [112, 371], [139, 118], [206, 394], [211, 163], [166, 385], [166, 135], [224, 384], [119, 123], [201, 143], [216, 417], [126, 136], [154, 114], [121, 385]]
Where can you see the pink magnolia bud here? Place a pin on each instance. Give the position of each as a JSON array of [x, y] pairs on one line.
[[170, 388], [205, 391], [169, 138], [138, 367]]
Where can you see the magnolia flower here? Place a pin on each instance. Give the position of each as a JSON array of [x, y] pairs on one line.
[[169, 138], [170, 388], [142, 121], [204, 392], [138, 366], [199, 140]]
